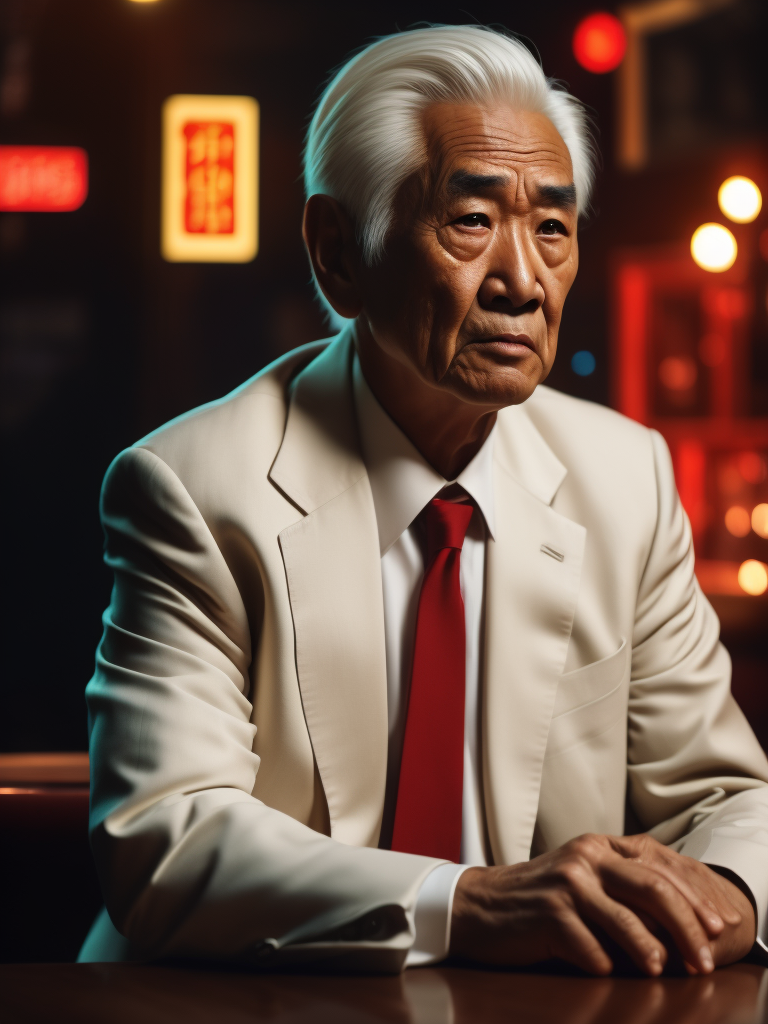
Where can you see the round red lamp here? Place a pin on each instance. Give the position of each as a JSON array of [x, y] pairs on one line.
[[599, 42]]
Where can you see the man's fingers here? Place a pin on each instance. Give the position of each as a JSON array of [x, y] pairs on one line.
[[626, 929], [636, 885], [575, 943], [704, 908], [712, 900], [722, 896]]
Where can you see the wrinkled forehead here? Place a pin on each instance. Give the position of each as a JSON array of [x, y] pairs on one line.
[[495, 140]]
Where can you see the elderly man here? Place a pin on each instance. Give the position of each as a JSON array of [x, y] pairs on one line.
[[406, 655]]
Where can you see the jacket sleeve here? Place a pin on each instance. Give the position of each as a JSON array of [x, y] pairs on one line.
[[190, 863], [698, 778]]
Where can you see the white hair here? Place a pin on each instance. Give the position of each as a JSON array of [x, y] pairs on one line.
[[366, 135]]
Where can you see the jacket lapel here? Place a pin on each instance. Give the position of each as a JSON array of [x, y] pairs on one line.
[[333, 569], [533, 570]]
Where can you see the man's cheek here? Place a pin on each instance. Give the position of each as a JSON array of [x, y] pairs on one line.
[[456, 292]]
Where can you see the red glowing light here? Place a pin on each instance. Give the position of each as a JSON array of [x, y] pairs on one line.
[[599, 42], [752, 467], [43, 179], [210, 175]]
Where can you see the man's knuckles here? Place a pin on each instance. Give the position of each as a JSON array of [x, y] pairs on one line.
[[573, 874], [657, 888], [589, 847]]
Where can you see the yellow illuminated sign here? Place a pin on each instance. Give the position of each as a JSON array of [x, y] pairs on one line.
[[210, 179]]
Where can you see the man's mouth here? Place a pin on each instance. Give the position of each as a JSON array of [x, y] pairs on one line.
[[514, 345]]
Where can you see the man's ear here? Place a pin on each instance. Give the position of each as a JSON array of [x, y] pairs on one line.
[[332, 248]]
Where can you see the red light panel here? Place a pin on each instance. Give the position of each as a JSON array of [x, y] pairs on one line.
[[210, 175], [43, 179], [599, 42]]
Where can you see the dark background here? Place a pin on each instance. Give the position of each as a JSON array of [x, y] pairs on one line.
[[101, 341]]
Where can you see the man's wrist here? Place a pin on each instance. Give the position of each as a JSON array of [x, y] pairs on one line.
[[462, 916]]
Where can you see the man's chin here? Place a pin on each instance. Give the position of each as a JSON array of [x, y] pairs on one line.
[[488, 382], [489, 390]]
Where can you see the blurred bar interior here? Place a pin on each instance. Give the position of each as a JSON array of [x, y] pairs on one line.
[[150, 260]]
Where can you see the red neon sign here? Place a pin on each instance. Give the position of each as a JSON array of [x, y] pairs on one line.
[[210, 176], [43, 179]]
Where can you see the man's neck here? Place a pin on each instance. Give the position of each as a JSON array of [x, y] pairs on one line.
[[447, 432]]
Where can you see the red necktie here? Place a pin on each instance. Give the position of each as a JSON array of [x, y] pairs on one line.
[[429, 795]]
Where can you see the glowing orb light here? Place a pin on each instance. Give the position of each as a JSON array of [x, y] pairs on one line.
[[713, 247], [739, 199], [752, 467], [753, 577], [737, 521], [599, 42], [760, 520], [678, 373], [583, 363]]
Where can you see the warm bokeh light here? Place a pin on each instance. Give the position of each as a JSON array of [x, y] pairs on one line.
[[739, 198], [737, 521], [678, 373], [713, 247], [753, 577], [599, 42], [760, 520], [752, 467]]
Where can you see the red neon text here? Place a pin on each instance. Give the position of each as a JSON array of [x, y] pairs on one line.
[[43, 179]]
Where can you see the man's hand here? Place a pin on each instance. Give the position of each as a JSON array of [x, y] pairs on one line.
[[642, 896]]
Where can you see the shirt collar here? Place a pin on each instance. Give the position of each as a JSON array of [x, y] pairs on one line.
[[402, 481]]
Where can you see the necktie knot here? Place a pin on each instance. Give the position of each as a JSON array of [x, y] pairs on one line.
[[447, 524]]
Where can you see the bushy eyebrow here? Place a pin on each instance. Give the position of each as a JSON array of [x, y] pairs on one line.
[[561, 196], [464, 183]]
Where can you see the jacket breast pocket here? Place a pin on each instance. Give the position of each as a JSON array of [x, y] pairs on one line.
[[589, 701]]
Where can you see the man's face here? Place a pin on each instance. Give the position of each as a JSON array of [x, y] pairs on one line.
[[481, 256]]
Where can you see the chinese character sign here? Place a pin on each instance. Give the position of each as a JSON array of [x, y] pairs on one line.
[[209, 179], [43, 179]]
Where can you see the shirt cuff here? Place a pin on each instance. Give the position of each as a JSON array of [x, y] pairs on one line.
[[432, 915]]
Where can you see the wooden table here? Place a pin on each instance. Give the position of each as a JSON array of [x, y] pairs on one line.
[[139, 994]]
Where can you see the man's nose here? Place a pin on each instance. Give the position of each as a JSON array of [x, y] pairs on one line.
[[511, 284]]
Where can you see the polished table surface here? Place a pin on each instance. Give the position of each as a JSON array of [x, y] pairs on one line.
[[147, 994]]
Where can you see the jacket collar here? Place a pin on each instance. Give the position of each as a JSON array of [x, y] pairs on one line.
[[320, 455], [523, 453]]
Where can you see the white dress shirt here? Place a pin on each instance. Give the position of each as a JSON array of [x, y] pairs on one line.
[[403, 483]]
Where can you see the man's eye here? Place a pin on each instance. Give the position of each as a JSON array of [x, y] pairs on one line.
[[473, 220], [553, 227]]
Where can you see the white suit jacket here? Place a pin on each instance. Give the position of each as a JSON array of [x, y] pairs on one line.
[[238, 709]]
